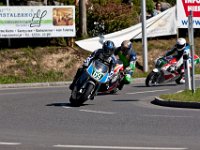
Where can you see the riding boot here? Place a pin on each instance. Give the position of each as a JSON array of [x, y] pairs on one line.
[[121, 85]]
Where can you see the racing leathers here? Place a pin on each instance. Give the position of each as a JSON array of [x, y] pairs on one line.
[[129, 63], [98, 54], [175, 53]]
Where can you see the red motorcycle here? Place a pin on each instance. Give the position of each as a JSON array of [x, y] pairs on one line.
[[112, 86], [162, 73]]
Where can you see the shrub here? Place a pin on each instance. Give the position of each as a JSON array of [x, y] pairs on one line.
[[110, 18]]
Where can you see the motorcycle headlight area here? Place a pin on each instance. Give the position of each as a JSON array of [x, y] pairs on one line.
[[100, 67]]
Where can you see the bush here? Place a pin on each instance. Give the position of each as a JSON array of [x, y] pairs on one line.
[[103, 19]]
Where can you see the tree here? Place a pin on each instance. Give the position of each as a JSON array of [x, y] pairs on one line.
[[83, 18]]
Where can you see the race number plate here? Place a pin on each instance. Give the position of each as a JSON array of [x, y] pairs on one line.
[[97, 75]]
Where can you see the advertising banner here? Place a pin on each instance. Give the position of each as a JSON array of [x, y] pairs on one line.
[[183, 10], [163, 24], [37, 21]]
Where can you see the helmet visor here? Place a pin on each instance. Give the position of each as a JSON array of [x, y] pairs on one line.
[[180, 47]]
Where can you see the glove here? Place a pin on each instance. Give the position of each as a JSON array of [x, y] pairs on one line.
[[128, 68], [110, 75], [171, 69]]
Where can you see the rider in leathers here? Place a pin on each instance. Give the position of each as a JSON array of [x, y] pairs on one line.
[[106, 54], [128, 56], [178, 50]]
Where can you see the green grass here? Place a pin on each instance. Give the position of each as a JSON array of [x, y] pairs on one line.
[[183, 96]]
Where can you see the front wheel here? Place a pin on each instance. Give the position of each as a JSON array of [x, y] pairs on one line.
[[151, 79], [84, 96]]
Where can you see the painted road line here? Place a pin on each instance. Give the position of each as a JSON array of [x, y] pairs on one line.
[[148, 92], [168, 116], [118, 147], [9, 143], [97, 112]]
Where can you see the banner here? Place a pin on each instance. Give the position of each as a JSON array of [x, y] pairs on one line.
[[183, 10], [163, 24], [37, 21]]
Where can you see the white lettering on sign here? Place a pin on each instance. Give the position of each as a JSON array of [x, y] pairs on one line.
[[192, 1], [194, 8]]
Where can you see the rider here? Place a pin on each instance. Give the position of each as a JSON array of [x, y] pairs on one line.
[[128, 56], [178, 50], [106, 54]]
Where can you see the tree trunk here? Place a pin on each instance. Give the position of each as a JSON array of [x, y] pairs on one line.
[[83, 18], [45, 2]]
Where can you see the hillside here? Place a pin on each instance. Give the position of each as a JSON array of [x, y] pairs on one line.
[[48, 64]]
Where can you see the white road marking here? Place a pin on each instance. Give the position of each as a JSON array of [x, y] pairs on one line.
[[9, 143], [66, 107], [98, 112], [168, 116], [118, 147], [148, 92]]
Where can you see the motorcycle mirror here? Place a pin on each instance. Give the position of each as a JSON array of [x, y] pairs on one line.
[[101, 38]]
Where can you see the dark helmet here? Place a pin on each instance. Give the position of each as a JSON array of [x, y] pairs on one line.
[[180, 44], [126, 47], [108, 48]]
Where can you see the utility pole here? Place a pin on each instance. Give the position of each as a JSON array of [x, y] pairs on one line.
[[191, 39], [83, 18], [144, 36]]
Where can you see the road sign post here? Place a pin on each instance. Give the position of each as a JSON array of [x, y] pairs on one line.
[[191, 40]]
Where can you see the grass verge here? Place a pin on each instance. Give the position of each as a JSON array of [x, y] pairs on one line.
[[183, 96]]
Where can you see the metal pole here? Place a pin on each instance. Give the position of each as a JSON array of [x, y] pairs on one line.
[[191, 39], [192, 48], [7, 2], [144, 36], [187, 71]]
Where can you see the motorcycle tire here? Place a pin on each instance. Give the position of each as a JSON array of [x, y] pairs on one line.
[[150, 80], [114, 91], [84, 97]]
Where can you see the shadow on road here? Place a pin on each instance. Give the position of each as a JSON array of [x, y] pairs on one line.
[[159, 85], [125, 100], [64, 105]]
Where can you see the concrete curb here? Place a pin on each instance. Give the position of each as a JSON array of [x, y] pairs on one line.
[[48, 84], [44, 84], [168, 103]]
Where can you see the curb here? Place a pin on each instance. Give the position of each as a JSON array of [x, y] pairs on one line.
[[44, 84], [50, 84], [168, 103]]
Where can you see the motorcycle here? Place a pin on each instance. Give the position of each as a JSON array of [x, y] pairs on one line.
[[88, 83], [162, 73], [112, 86]]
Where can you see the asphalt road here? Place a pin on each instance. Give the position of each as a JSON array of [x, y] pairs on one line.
[[42, 119]]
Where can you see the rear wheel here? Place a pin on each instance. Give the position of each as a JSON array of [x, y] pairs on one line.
[[151, 79]]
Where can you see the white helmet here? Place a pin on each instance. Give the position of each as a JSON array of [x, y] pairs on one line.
[[180, 44]]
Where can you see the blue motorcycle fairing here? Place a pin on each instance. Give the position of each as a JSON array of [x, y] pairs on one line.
[[98, 71]]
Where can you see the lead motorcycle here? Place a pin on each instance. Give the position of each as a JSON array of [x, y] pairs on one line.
[[162, 72], [88, 83]]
